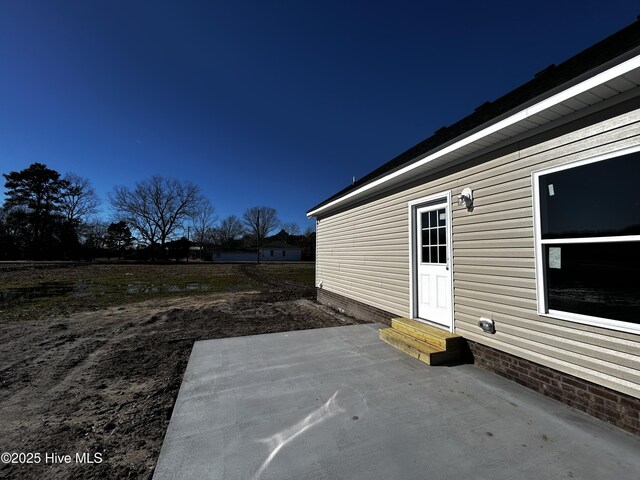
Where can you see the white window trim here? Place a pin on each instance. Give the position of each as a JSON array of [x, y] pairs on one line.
[[539, 266], [445, 197], [559, 241]]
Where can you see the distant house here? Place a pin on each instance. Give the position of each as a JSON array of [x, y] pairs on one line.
[[244, 255], [280, 252], [269, 252], [518, 228]]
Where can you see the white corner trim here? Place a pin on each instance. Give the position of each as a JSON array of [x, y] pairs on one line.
[[596, 80]]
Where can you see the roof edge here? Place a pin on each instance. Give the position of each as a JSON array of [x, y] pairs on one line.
[[624, 61]]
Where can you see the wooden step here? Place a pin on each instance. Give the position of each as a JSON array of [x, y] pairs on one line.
[[423, 351], [425, 333]]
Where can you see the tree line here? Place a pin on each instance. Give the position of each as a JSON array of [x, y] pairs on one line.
[[47, 215]]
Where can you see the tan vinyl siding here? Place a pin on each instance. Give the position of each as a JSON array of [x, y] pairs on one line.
[[363, 254]]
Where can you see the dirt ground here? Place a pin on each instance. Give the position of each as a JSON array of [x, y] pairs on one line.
[[103, 381]]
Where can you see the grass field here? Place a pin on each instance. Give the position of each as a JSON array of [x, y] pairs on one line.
[[61, 289]]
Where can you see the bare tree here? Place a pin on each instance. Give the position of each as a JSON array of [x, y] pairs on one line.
[[291, 228], [258, 222], [78, 199], [203, 221], [157, 208], [230, 229], [94, 235]]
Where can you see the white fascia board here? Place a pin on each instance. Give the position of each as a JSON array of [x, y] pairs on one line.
[[596, 80]]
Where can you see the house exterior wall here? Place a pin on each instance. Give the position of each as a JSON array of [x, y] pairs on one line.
[[291, 255], [363, 254], [234, 257]]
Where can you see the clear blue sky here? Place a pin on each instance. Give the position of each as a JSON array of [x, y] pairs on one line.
[[265, 102]]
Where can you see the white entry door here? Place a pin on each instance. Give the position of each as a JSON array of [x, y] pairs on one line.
[[433, 270]]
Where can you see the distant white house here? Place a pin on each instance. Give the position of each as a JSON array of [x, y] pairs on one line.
[[269, 252], [280, 252], [234, 256]]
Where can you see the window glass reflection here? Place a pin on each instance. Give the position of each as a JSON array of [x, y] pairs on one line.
[[595, 279], [593, 200]]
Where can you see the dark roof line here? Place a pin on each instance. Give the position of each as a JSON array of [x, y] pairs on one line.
[[543, 82], [280, 244]]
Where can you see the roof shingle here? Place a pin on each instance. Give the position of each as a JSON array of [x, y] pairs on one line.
[[613, 47]]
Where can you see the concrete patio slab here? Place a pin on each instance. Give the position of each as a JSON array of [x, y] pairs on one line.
[[338, 403]]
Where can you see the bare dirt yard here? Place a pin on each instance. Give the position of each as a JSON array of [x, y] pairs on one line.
[[92, 356]]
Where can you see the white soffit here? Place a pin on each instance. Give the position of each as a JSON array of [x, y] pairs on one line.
[[609, 83]]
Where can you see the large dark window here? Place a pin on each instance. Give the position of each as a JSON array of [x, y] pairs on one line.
[[595, 279], [589, 239], [599, 199]]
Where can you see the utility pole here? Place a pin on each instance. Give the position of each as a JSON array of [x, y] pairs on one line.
[[258, 237]]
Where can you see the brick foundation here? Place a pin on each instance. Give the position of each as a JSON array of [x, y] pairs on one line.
[[353, 308], [613, 407]]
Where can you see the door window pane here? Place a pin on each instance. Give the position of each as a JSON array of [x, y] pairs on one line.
[[433, 236], [424, 220]]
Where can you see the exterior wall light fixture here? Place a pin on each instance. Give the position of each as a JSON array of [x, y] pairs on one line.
[[465, 199], [487, 325]]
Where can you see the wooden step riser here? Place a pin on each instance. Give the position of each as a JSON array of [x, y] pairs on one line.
[[425, 333], [413, 342], [425, 337], [431, 358]]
